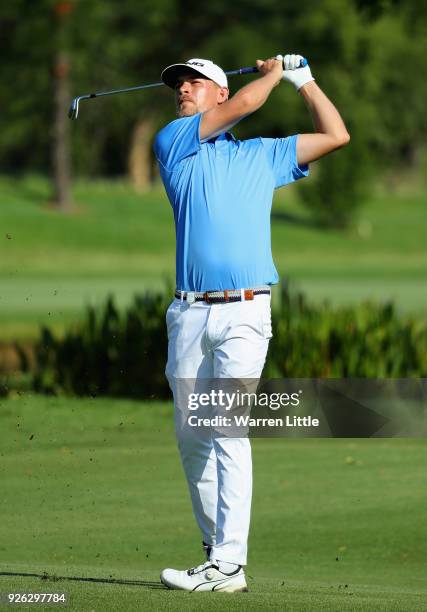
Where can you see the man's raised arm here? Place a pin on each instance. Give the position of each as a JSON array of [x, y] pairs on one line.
[[247, 100], [331, 132]]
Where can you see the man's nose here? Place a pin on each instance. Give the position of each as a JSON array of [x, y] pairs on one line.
[[184, 87]]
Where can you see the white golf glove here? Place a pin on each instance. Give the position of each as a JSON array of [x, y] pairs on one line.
[[292, 73]]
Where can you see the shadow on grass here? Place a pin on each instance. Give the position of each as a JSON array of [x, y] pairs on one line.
[[35, 190], [54, 578], [293, 219]]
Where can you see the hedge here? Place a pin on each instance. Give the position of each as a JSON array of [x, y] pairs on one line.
[[123, 354]]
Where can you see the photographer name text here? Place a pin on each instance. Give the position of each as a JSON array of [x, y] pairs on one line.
[[248, 421]]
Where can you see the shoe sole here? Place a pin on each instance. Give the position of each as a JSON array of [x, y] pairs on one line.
[[239, 590], [242, 590]]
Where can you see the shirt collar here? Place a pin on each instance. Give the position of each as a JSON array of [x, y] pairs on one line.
[[223, 136]]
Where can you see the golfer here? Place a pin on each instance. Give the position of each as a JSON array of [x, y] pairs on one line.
[[219, 323]]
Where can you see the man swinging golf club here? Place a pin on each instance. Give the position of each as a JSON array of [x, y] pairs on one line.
[[219, 323]]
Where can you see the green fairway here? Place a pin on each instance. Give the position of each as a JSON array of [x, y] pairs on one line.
[[119, 242], [93, 488]]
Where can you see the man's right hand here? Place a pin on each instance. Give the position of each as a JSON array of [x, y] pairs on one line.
[[271, 66]]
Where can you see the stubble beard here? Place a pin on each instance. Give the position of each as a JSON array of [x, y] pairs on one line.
[[191, 110]]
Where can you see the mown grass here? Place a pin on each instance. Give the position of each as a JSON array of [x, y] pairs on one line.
[[93, 488], [120, 242]]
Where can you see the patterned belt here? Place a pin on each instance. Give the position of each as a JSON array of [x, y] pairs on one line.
[[222, 297]]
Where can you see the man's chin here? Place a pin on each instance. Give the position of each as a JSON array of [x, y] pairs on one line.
[[186, 112]]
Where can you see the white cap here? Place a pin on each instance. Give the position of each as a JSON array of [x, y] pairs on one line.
[[205, 67]]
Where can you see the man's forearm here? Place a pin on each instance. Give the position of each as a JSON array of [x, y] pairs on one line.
[[246, 101], [326, 118], [253, 95]]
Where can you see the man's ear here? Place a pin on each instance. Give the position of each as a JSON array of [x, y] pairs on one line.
[[223, 93]]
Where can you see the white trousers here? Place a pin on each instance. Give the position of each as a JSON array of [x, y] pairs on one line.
[[214, 341]]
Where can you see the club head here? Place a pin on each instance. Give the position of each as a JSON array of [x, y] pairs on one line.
[[74, 109]]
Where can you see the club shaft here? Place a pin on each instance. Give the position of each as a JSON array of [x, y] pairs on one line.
[[116, 91], [74, 108], [98, 94]]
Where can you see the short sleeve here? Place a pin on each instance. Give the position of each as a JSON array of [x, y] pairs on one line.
[[177, 140], [282, 157]]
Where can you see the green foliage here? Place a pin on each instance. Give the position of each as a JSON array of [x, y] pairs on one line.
[[365, 341], [108, 354], [365, 56], [337, 38], [125, 356]]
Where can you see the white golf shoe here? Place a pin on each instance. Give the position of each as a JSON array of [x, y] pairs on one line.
[[205, 577]]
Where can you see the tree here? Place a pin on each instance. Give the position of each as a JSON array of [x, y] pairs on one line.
[[364, 55]]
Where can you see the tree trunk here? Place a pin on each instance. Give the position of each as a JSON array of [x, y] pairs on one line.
[[61, 159], [139, 160], [61, 135]]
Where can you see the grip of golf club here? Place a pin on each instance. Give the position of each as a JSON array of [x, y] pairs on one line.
[[251, 69], [247, 70], [302, 63]]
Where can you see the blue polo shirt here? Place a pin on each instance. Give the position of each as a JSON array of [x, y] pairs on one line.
[[221, 192]]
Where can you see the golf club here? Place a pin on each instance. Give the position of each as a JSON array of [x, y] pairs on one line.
[[74, 108]]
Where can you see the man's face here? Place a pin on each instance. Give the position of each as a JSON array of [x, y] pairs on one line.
[[196, 94]]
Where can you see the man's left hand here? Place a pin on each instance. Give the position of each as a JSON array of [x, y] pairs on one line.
[[293, 73]]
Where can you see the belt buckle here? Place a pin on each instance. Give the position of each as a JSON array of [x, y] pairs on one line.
[[191, 297], [249, 294]]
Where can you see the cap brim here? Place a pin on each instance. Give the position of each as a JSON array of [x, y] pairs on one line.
[[171, 74]]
